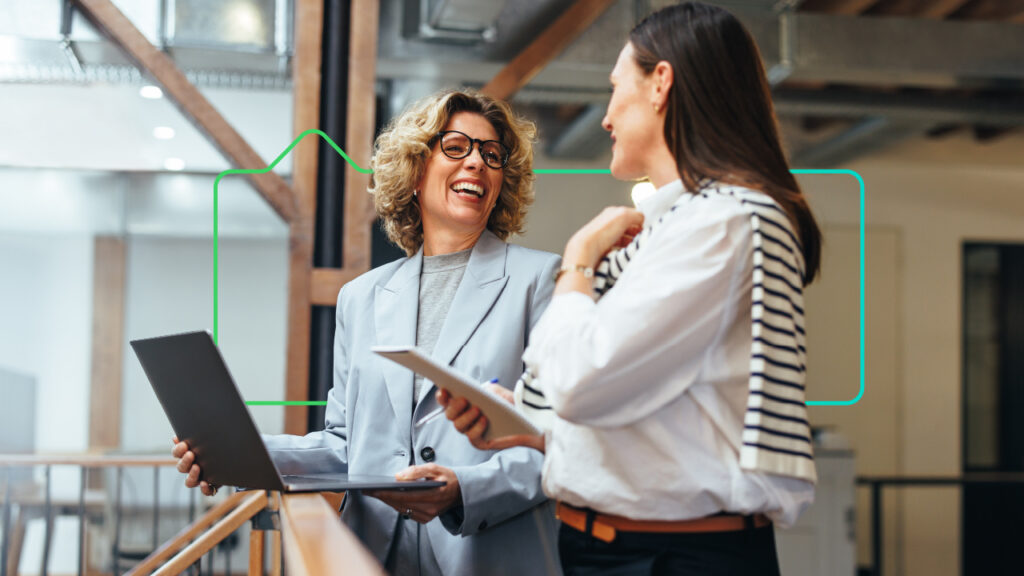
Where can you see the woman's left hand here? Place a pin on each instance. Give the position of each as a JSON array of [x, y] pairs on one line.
[[423, 505], [614, 227]]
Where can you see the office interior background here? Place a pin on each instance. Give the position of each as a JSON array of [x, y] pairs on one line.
[[106, 235]]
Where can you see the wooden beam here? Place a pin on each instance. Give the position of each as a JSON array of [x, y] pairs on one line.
[[300, 265], [327, 282], [315, 540], [249, 506], [934, 9], [359, 133], [1008, 10], [309, 18], [545, 48], [107, 343], [848, 7], [112, 22]]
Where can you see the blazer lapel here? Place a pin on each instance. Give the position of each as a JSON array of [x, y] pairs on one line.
[[481, 285], [395, 307]]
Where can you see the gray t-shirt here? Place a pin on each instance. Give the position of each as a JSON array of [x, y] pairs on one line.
[[439, 280]]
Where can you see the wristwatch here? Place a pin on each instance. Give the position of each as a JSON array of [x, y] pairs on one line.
[[587, 271]]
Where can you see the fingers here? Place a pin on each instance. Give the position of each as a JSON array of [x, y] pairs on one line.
[[192, 480], [179, 449], [443, 397], [467, 419], [475, 434], [185, 462], [417, 472], [456, 407], [206, 488], [503, 392]]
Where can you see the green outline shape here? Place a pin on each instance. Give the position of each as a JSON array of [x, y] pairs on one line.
[[361, 170]]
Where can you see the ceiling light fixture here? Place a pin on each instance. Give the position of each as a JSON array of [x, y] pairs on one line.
[[174, 164], [151, 92], [163, 132]]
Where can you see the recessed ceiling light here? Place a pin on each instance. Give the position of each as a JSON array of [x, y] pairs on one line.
[[174, 164], [642, 190], [151, 92], [163, 132]]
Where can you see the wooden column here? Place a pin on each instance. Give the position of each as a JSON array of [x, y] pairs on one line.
[[362, 105], [309, 17], [107, 343]]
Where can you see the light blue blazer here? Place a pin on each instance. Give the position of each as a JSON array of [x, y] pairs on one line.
[[497, 530]]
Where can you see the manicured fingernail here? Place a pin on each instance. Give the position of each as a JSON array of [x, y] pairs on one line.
[[493, 381]]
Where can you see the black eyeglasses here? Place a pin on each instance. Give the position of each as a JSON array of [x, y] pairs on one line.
[[457, 145]]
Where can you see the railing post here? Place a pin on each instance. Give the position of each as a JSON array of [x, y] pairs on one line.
[[156, 507], [876, 528], [6, 520], [49, 526], [116, 555], [82, 520]]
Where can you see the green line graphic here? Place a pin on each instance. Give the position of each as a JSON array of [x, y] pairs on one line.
[[589, 171]]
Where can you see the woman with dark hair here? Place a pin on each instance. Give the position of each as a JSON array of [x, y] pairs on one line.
[[670, 363]]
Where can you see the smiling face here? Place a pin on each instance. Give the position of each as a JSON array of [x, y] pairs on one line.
[[456, 196], [631, 118]]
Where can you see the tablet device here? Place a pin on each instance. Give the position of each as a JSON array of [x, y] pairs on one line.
[[503, 419]]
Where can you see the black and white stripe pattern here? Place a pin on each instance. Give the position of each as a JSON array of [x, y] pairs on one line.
[[776, 435]]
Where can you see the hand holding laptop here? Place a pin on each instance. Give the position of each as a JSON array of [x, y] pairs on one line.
[[187, 465], [423, 505]]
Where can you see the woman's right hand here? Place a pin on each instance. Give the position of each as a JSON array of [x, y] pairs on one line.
[[469, 420], [187, 465]]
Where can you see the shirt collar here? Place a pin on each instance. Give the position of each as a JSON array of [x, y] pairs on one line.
[[660, 201]]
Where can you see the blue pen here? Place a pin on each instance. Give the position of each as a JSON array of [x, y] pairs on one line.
[[440, 410]]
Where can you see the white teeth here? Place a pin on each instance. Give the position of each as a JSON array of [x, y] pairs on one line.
[[475, 189]]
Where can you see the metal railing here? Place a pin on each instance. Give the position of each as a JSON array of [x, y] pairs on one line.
[[876, 483], [87, 464]]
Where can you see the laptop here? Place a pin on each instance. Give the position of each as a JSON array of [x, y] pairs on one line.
[[205, 409]]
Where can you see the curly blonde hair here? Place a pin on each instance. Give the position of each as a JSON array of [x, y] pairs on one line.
[[401, 153]]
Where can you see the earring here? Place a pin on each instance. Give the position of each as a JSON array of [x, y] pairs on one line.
[[657, 108], [415, 193]]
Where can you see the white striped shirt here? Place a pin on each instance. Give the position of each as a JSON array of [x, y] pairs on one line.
[[651, 382]]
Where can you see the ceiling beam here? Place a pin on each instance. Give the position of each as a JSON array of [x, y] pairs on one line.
[[545, 48], [845, 7], [936, 108], [867, 136], [149, 59], [1009, 10], [933, 9]]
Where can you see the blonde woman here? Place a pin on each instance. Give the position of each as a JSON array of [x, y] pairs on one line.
[[452, 182]]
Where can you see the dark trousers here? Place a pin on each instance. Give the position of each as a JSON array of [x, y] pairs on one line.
[[740, 553]]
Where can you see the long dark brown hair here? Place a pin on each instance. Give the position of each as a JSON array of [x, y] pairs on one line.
[[720, 122]]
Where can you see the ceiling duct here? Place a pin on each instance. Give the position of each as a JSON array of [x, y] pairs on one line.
[[452, 21], [223, 43]]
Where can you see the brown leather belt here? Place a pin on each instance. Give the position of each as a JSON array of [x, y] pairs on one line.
[[605, 526]]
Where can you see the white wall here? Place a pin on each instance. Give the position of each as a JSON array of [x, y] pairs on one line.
[[170, 290], [45, 328]]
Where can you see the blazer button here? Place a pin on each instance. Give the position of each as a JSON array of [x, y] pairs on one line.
[[427, 454], [483, 525]]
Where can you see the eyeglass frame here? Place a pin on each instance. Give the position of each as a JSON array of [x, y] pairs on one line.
[[473, 142]]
